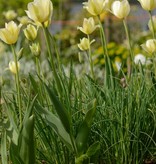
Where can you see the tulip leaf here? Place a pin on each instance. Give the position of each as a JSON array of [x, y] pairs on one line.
[[62, 113], [56, 125], [83, 133], [26, 142]]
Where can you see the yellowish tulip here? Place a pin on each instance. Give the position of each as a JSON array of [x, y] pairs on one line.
[[10, 15], [95, 7], [121, 9], [85, 44], [30, 32], [88, 26], [10, 33], [35, 49], [150, 46], [40, 11], [148, 4], [24, 20], [12, 67]]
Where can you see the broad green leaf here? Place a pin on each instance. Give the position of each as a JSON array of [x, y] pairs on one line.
[[62, 113], [4, 148], [26, 142], [83, 133], [56, 125]]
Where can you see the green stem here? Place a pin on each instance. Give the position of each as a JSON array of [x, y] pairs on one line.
[[90, 59], [17, 85], [131, 61], [108, 66], [46, 35], [153, 31], [38, 66]]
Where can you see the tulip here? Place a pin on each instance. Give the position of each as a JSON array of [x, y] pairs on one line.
[[10, 15], [95, 7], [30, 32], [88, 26], [40, 11], [35, 49], [150, 46], [148, 4], [10, 33], [85, 44], [23, 20], [121, 9], [12, 67]]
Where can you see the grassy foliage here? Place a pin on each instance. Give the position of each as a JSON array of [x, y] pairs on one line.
[[66, 119]]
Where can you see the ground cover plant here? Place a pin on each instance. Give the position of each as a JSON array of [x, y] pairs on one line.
[[58, 117]]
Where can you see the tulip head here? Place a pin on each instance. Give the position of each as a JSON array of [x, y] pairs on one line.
[[148, 5], [121, 9], [30, 32], [12, 67], [150, 46], [23, 20], [35, 49], [10, 33], [95, 7], [88, 26], [40, 11], [85, 44], [10, 15]]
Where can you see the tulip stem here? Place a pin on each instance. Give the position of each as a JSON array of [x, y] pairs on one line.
[[90, 59], [17, 80], [108, 65], [153, 31], [131, 61], [46, 35]]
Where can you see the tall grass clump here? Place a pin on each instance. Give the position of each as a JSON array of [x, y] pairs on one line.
[[64, 118]]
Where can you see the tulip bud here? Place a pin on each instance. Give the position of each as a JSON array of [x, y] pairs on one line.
[[148, 5], [40, 11], [95, 7], [12, 66], [154, 23], [23, 20], [88, 26], [30, 32], [121, 9], [10, 33], [85, 44], [10, 15], [35, 49], [20, 54], [149, 46]]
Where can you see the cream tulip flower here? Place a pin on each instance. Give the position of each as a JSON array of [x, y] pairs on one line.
[[149, 46], [95, 7], [12, 67], [148, 5], [88, 26], [30, 32], [121, 9], [85, 44], [10, 33], [139, 59], [40, 11]]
